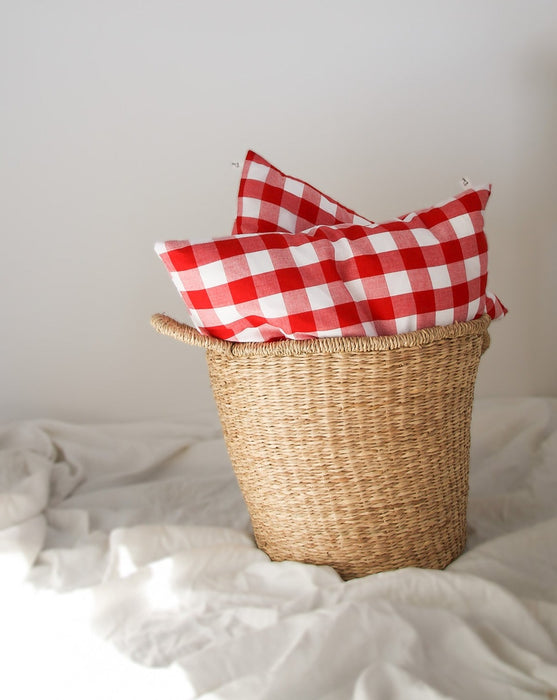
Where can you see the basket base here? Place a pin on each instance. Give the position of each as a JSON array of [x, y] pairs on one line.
[[375, 554]]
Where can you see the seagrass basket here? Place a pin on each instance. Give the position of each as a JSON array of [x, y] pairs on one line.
[[350, 452]]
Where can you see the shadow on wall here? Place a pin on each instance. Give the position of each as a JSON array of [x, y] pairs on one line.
[[526, 258], [537, 221]]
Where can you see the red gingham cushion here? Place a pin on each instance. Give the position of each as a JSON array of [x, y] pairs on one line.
[[269, 200], [427, 269]]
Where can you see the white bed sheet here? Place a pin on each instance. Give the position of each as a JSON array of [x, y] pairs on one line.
[[128, 569]]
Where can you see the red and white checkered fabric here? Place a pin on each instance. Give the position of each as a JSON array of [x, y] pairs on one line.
[[269, 200], [427, 269]]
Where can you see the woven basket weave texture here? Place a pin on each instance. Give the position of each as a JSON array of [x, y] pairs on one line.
[[350, 452]]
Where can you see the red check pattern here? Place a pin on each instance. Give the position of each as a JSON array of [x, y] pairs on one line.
[[270, 201], [427, 269]]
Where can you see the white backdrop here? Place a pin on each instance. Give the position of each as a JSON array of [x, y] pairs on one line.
[[119, 123]]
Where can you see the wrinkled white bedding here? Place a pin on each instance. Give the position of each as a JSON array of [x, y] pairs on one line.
[[127, 569]]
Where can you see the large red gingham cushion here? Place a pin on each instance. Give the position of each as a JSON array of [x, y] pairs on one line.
[[269, 200], [427, 269]]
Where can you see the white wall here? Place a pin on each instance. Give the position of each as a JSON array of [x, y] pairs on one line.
[[119, 123]]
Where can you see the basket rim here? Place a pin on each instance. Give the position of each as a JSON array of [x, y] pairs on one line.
[[183, 332]]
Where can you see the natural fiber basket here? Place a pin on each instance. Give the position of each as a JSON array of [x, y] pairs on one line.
[[351, 452]]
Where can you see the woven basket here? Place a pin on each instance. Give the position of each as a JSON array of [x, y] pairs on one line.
[[350, 452]]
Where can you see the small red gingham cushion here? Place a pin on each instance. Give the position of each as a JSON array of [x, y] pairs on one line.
[[427, 269], [269, 200]]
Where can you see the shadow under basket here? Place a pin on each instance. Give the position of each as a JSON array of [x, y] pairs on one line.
[[350, 452]]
